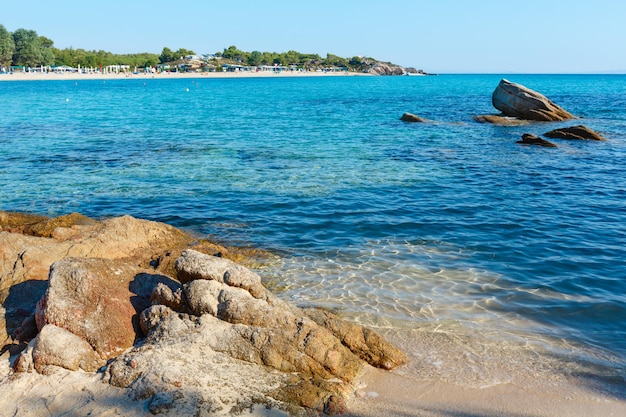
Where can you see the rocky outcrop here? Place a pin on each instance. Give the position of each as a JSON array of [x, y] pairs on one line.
[[234, 318], [29, 245], [364, 342], [529, 139], [93, 299], [210, 338], [412, 118], [515, 100], [579, 132], [384, 68]]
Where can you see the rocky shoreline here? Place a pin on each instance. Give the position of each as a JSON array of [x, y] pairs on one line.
[[170, 320]]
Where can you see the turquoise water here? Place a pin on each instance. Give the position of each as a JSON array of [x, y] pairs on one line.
[[392, 224]]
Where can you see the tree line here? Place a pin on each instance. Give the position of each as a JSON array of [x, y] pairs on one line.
[[26, 48]]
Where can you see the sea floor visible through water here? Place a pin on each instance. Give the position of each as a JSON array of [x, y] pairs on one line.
[[489, 262]]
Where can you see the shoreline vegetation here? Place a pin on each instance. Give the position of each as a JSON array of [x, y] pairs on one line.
[[24, 51]]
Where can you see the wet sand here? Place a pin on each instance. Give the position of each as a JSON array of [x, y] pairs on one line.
[[461, 374]]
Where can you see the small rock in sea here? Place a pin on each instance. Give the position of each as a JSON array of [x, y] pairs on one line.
[[529, 139], [579, 132], [410, 117]]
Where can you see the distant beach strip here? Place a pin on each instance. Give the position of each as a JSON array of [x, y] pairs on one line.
[[124, 72], [74, 76]]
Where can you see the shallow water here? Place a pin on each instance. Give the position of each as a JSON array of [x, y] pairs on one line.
[[448, 225]]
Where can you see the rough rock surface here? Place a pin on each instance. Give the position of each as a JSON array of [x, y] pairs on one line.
[[92, 298], [30, 244], [382, 68], [218, 343], [58, 347], [579, 132], [515, 100], [365, 343], [3, 324], [529, 139], [315, 363]]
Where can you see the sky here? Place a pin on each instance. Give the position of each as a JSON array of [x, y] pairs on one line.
[[439, 36]]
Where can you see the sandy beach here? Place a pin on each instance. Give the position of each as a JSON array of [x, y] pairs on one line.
[[382, 394], [73, 76], [447, 376]]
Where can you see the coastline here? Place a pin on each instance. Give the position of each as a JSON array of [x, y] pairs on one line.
[[38, 76], [423, 391], [449, 374]]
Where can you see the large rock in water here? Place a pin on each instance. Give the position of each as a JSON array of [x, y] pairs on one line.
[[411, 118], [515, 100]]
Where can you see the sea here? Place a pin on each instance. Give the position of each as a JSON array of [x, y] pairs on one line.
[[463, 246]]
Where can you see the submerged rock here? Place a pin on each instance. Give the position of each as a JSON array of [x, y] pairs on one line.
[[579, 132], [515, 100], [529, 139], [500, 120]]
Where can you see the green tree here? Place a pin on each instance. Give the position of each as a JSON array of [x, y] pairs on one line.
[[268, 58], [7, 47], [292, 58], [255, 58], [167, 55], [182, 52], [47, 51], [233, 53], [32, 50], [335, 61], [27, 48]]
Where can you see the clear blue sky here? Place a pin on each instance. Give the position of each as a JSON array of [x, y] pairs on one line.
[[444, 36]]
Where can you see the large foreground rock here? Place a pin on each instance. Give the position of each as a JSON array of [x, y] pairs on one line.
[[58, 347], [30, 244], [515, 100], [97, 300], [210, 340], [292, 357]]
